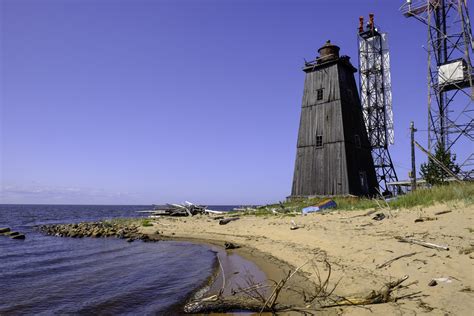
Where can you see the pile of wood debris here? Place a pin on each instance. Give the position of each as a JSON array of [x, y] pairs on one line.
[[185, 209]]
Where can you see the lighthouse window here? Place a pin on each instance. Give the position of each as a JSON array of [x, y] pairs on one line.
[[319, 94], [319, 140]]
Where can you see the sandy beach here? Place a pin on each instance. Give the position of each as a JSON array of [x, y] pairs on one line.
[[358, 248]]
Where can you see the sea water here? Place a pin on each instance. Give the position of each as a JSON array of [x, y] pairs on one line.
[[52, 275]]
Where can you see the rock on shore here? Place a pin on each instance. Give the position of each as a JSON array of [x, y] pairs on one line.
[[6, 231], [96, 230]]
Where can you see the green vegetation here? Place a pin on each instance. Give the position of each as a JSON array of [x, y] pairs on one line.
[[437, 194], [423, 197], [146, 223], [433, 173]]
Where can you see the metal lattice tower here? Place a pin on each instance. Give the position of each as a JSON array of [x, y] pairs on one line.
[[450, 77], [376, 100]]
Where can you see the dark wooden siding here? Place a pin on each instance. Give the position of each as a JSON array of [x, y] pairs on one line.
[[320, 119], [334, 168], [326, 79], [360, 158], [321, 171]]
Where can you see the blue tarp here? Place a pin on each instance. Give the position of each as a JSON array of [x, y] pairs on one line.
[[320, 206]]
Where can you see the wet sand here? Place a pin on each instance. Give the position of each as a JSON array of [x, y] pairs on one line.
[[355, 245], [246, 266]]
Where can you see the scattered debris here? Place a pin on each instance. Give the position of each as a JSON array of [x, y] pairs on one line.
[[361, 215], [466, 251], [387, 263], [325, 204], [185, 209], [375, 297], [425, 219], [443, 280], [229, 245], [427, 308], [421, 260], [295, 226], [379, 217], [228, 220], [421, 243], [442, 212], [433, 283]]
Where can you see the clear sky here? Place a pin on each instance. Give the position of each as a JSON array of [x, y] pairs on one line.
[[152, 101]]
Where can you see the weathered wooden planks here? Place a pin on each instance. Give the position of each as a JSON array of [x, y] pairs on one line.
[[335, 167]]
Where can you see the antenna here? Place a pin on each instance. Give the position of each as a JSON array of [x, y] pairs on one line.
[[450, 76], [376, 100]]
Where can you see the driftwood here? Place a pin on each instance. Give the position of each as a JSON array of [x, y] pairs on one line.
[[442, 212], [424, 219], [186, 209], [387, 263], [250, 300], [375, 297], [225, 304], [421, 243], [361, 215], [228, 220]]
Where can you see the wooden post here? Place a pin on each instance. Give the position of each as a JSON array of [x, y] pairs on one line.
[[413, 165]]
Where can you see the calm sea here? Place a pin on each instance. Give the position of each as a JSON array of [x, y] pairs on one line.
[[51, 275]]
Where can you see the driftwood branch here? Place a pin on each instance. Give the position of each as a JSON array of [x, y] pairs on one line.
[[387, 263], [442, 212], [322, 297], [421, 243], [273, 297], [225, 304], [361, 215], [375, 297]]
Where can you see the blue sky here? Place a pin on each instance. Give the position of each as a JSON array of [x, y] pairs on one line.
[[141, 101]]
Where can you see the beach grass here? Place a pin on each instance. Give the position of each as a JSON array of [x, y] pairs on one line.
[[463, 193]]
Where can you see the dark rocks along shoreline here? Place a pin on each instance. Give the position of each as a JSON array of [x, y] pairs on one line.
[[130, 232]]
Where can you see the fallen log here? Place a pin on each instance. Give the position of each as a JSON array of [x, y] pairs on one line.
[[228, 220], [421, 243]]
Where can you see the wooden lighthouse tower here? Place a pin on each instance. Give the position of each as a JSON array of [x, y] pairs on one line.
[[333, 152]]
